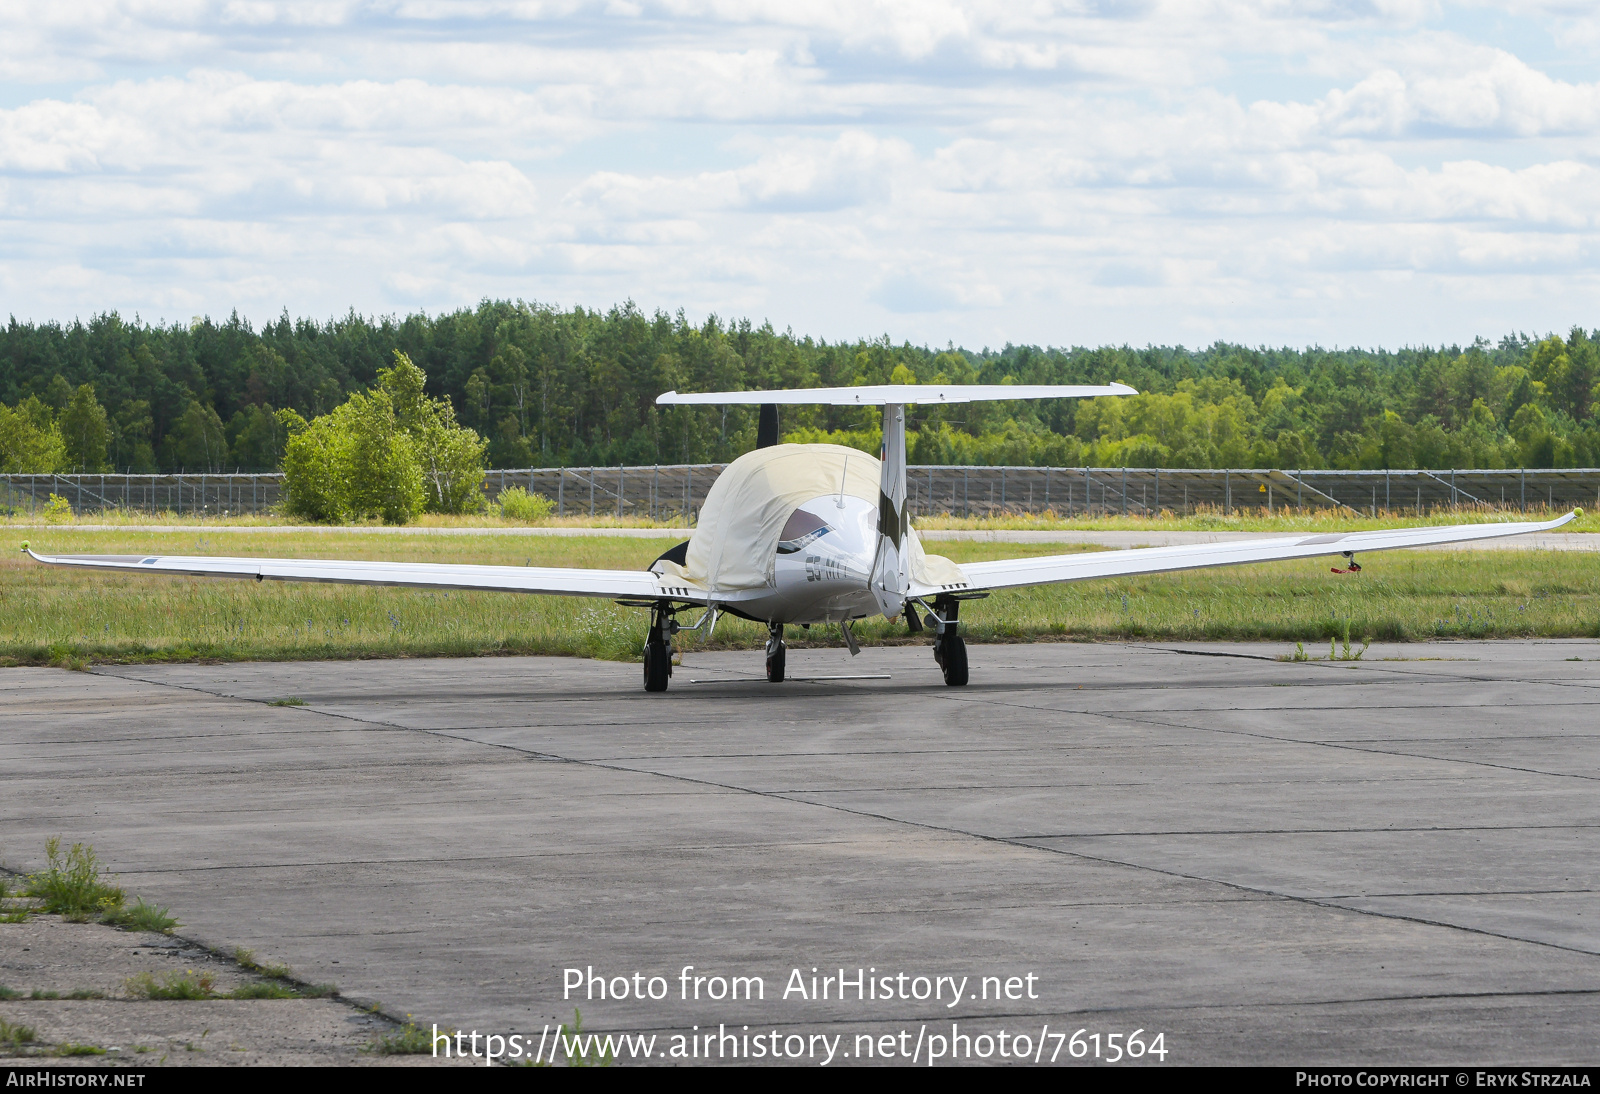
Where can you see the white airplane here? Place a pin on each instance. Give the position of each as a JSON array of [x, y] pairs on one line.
[[812, 534]]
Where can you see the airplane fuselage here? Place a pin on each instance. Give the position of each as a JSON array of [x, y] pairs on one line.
[[822, 569]]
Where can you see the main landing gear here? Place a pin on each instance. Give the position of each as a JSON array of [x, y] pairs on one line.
[[658, 648], [949, 649], [951, 653], [775, 653]]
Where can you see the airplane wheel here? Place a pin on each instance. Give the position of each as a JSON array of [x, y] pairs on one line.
[[775, 658], [657, 665], [951, 653]]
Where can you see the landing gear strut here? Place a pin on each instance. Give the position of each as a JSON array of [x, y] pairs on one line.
[[658, 648], [949, 649], [775, 653]]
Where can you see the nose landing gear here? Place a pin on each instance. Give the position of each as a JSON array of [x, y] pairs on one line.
[[775, 653]]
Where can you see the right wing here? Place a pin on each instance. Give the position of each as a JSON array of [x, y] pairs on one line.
[[549, 580], [1051, 569]]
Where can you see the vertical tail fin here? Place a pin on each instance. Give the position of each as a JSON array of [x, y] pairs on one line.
[[767, 426], [889, 578]]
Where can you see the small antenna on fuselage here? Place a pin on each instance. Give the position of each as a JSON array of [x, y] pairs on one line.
[[842, 476]]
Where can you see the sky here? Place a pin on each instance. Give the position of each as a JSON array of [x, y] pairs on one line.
[[1336, 173]]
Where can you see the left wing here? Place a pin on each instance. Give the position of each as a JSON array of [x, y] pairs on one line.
[[1051, 569], [550, 580]]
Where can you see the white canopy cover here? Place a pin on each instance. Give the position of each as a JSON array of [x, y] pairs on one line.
[[735, 544]]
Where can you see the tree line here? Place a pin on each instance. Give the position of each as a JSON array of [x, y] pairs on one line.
[[545, 386]]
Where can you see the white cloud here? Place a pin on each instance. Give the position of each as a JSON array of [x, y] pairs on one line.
[[1058, 170], [1499, 94]]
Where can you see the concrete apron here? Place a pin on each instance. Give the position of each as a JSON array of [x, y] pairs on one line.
[[1383, 861]]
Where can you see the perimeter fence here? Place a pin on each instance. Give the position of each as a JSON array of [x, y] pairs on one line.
[[675, 492], [184, 495]]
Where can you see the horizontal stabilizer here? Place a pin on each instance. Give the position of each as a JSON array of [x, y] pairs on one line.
[[880, 394]]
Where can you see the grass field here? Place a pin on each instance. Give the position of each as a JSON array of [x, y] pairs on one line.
[[50, 616], [1283, 520]]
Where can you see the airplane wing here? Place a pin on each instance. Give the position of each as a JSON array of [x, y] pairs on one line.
[[1052, 569], [556, 581]]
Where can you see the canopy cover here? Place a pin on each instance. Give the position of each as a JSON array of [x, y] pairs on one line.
[[735, 543]]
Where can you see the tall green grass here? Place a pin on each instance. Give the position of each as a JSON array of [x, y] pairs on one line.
[[51, 616], [55, 616], [1398, 596], [1203, 518], [1282, 519]]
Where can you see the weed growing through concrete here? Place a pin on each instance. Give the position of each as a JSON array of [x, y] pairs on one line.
[[290, 701], [590, 1058], [1342, 633], [140, 917], [67, 1048], [264, 989], [277, 984], [175, 985], [8, 913], [9, 993], [247, 958], [70, 885], [282, 974], [409, 1040], [15, 1035]]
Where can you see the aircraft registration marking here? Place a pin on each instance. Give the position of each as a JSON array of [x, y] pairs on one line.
[[819, 568]]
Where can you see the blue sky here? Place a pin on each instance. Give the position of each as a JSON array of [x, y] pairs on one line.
[[1349, 172]]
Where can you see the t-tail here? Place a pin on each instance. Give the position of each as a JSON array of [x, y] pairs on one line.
[[890, 579]]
